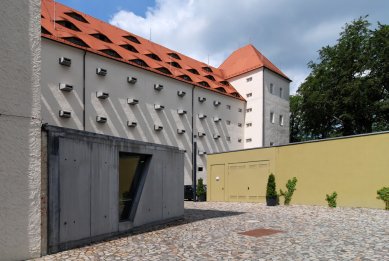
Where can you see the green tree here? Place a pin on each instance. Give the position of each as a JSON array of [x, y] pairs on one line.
[[296, 122], [347, 90]]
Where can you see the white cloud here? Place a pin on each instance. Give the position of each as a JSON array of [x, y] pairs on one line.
[[297, 75], [289, 33]]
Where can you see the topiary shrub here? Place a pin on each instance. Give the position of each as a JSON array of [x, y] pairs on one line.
[[200, 191], [331, 199], [384, 195], [271, 191], [291, 186]]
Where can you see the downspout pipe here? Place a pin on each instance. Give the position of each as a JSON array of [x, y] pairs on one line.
[[194, 150], [83, 90]]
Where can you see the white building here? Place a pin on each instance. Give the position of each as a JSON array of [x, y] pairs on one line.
[[118, 106], [266, 90], [116, 83]]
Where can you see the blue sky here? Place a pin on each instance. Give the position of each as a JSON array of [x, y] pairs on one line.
[[104, 10], [287, 32]]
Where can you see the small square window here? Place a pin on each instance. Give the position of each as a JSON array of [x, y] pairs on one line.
[[240, 110], [228, 107], [239, 140], [271, 143], [272, 117], [249, 94], [228, 138], [228, 122], [239, 124], [249, 79], [249, 110], [271, 88], [248, 140], [200, 169], [281, 120], [249, 124]]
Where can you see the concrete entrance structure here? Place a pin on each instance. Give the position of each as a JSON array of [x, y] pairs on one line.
[[83, 182]]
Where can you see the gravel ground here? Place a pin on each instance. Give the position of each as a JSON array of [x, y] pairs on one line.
[[210, 231]]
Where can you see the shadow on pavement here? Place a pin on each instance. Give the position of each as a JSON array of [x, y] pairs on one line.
[[190, 216], [193, 215]]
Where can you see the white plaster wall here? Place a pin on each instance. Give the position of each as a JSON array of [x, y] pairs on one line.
[[255, 103], [20, 130], [53, 99], [274, 132], [118, 112], [210, 127]]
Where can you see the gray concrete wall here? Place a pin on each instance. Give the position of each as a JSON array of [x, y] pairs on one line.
[[20, 129], [84, 184]]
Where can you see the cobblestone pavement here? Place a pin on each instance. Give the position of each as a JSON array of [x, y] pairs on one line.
[[210, 231]]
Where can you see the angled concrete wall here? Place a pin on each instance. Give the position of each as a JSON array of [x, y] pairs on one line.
[[20, 129]]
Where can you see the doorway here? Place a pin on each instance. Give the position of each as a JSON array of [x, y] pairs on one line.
[[131, 167]]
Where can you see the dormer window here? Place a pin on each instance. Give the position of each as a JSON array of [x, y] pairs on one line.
[[185, 77], [101, 37], [111, 52], [210, 77], [194, 71], [174, 64], [129, 47], [164, 70], [204, 83], [139, 62], [132, 38], [76, 16], [235, 94], [153, 56], [68, 25], [221, 89], [44, 31], [76, 41], [226, 83], [174, 55], [207, 69]]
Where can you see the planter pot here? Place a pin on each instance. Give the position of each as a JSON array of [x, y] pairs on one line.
[[201, 198], [271, 201]]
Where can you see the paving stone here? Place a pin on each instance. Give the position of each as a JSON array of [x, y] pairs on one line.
[[210, 231]]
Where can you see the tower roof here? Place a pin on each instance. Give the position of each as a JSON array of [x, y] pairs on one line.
[[247, 59]]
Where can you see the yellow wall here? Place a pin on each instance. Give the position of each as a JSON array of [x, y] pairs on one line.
[[354, 167]]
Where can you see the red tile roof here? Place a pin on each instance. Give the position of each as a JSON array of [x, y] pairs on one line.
[[80, 30], [247, 59]]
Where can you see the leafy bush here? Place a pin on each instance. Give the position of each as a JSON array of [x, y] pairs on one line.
[[271, 191], [331, 199], [272, 198], [291, 186], [200, 188], [384, 195]]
